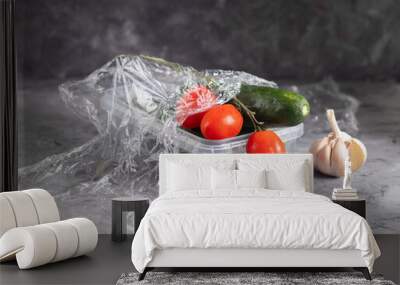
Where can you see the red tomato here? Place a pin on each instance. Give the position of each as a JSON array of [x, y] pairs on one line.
[[199, 98], [221, 122], [265, 142]]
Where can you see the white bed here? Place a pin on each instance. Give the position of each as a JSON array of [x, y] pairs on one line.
[[280, 225]]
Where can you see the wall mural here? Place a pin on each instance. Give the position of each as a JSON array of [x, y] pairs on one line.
[[96, 136]]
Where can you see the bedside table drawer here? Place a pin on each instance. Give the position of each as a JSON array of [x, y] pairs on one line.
[[356, 206]]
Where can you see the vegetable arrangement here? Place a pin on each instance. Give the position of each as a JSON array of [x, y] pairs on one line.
[[253, 104]]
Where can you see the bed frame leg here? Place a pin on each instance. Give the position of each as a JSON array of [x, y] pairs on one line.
[[143, 274], [364, 271]]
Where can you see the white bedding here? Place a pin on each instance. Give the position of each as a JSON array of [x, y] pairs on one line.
[[252, 218]]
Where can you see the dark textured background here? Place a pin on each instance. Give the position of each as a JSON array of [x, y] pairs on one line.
[[304, 39]]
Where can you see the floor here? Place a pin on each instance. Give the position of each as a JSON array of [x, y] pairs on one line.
[[110, 259], [103, 266]]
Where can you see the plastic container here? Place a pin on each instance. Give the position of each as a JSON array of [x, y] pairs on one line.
[[188, 142]]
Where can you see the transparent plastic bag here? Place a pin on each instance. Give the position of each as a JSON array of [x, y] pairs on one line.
[[327, 95]]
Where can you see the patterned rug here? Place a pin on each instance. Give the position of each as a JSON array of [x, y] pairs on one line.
[[243, 278]]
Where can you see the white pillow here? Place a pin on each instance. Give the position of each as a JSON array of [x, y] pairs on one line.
[[282, 174], [289, 181], [224, 179], [182, 177], [251, 179], [230, 180]]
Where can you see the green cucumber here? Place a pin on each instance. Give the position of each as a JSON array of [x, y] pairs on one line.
[[273, 105]]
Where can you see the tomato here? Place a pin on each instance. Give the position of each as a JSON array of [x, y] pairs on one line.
[[265, 142], [221, 122], [198, 98], [193, 121]]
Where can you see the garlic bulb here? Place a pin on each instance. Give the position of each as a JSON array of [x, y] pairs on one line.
[[330, 152]]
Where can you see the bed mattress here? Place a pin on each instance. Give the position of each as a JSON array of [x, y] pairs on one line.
[[250, 219]]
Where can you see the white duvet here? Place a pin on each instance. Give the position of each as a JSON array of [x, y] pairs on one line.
[[254, 218]]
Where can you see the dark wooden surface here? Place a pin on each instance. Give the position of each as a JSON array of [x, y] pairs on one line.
[[111, 259], [357, 206], [119, 208], [8, 99]]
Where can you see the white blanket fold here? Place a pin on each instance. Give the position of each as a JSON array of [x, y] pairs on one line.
[[250, 219]]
